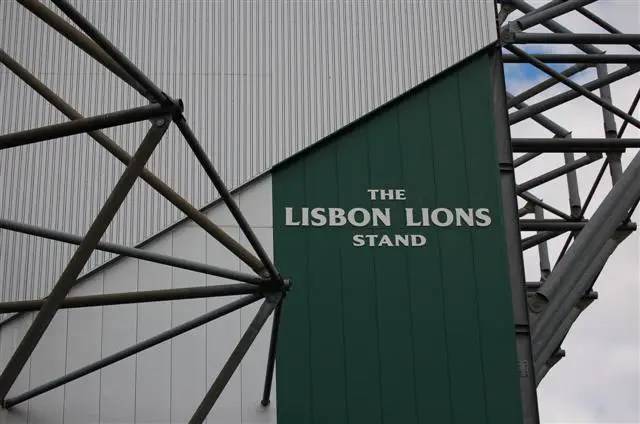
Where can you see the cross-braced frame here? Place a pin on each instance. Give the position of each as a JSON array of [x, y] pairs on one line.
[[267, 283], [565, 288], [543, 318]]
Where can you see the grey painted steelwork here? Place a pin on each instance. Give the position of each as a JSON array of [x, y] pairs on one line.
[[163, 110], [139, 347], [134, 297], [163, 383], [71, 272], [303, 71], [576, 58], [530, 414], [553, 307], [565, 289]]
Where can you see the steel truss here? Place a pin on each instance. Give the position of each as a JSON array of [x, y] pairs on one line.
[[565, 288], [543, 318], [267, 283]]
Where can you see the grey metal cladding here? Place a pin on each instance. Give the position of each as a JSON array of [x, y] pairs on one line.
[[260, 81]]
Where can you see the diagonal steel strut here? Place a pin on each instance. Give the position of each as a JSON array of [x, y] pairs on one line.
[[81, 256]]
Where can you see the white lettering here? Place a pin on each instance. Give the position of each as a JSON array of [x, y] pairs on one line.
[[336, 217], [448, 217], [386, 194], [365, 217], [379, 215], [465, 215], [358, 240], [317, 217], [483, 217], [402, 240], [385, 241], [409, 218], [288, 213], [418, 240]]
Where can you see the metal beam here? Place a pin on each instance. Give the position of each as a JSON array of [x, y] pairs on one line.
[[544, 85], [130, 351], [550, 301], [234, 360], [588, 59], [557, 172], [160, 186], [271, 358], [553, 26], [550, 333], [561, 225], [632, 109], [521, 160], [577, 87], [541, 119], [571, 38], [534, 18], [83, 125], [81, 256], [82, 41], [543, 249], [210, 170], [602, 23], [538, 202], [538, 238], [133, 252], [574, 145], [86, 26], [134, 297], [574, 93], [521, 329], [562, 331]]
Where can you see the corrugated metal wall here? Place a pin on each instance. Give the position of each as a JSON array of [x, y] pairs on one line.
[[260, 81], [165, 383]]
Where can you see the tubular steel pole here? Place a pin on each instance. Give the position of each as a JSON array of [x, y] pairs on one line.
[[575, 145], [538, 202], [575, 86], [541, 119], [81, 256], [588, 59], [82, 41], [160, 186], [610, 131], [562, 225], [134, 297], [543, 249], [568, 95], [208, 167], [538, 238], [537, 17], [139, 347], [93, 123], [604, 222], [84, 24], [541, 179], [546, 324], [544, 85], [234, 360], [271, 360], [571, 38], [133, 252], [602, 23]]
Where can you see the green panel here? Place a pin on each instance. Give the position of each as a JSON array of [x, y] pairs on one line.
[[405, 334]]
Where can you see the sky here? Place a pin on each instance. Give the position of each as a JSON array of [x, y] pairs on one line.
[[599, 379]]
